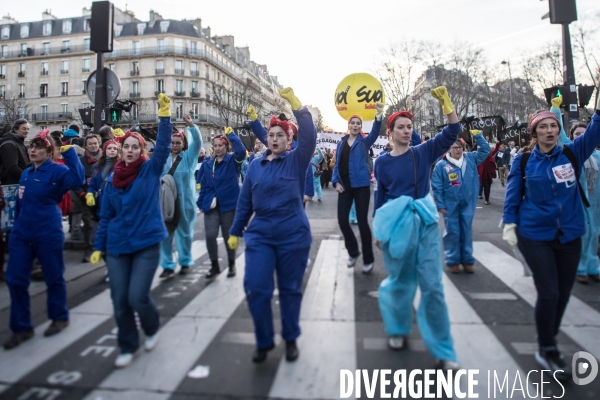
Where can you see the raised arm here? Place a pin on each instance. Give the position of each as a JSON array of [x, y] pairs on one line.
[[259, 131], [76, 175], [195, 142], [584, 145], [239, 150], [441, 143], [307, 133], [555, 109], [483, 147], [415, 139], [376, 128], [162, 149]]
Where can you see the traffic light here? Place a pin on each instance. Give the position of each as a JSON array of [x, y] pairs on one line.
[[553, 92], [585, 94], [87, 116], [111, 115]]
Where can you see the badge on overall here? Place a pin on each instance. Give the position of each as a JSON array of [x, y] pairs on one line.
[[448, 167], [453, 176]]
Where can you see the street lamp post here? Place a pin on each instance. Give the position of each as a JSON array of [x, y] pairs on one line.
[[512, 104]]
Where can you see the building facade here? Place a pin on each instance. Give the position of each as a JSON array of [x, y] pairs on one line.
[[44, 66]]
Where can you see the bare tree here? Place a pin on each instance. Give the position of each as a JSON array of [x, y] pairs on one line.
[[544, 70], [12, 107], [585, 48], [232, 100]]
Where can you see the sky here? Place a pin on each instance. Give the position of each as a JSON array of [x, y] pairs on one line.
[[312, 45]]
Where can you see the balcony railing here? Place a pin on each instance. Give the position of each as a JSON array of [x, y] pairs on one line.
[[156, 93], [43, 94], [65, 50], [152, 118], [159, 71], [135, 95], [83, 91], [85, 69], [179, 94], [21, 74], [21, 95], [179, 71], [2, 76], [44, 72], [64, 71], [134, 73], [46, 117], [64, 93], [195, 73], [194, 94]]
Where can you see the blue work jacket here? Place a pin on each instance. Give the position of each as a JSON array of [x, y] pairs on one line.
[[131, 218]]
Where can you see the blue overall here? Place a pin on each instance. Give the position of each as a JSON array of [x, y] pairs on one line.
[[186, 196], [317, 179], [589, 264], [278, 238], [38, 233], [455, 189], [405, 223]]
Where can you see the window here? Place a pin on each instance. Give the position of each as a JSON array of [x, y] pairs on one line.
[[118, 30], [64, 88], [64, 108], [86, 44], [135, 89], [63, 128], [83, 85], [160, 45], [164, 26], [21, 90], [195, 88], [45, 48], [47, 28], [67, 26], [135, 68], [44, 111], [111, 66], [21, 110], [66, 46], [2, 71], [23, 49], [86, 24], [85, 65], [193, 66], [5, 32], [43, 127], [193, 46], [178, 86], [44, 90], [4, 51], [179, 67], [44, 68], [24, 31], [135, 112], [2, 91], [160, 85], [64, 67], [195, 109], [160, 67], [21, 70], [140, 29], [136, 47], [179, 110], [85, 105]]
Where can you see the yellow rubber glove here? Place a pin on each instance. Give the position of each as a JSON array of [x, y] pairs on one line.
[[233, 242], [228, 130], [475, 132], [65, 148], [118, 132], [379, 113], [441, 94], [197, 186], [288, 94], [252, 113], [90, 200], [96, 256], [510, 234], [557, 101], [164, 105]]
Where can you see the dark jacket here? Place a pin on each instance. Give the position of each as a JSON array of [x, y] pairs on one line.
[[13, 158]]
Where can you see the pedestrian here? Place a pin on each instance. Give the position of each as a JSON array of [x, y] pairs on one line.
[[278, 237], [130, 230], [37, 233], [185, 149], [588, 268], [502, 163], [70, 137], [317, 173], [406, 229], [106, 134], [352, 180], [487, 173], [455, 183], [219, 191], [510, 153], [326, 176], [544, 217]]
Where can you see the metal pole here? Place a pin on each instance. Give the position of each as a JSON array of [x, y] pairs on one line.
[[512, 103], [569, 98], [100, 98]]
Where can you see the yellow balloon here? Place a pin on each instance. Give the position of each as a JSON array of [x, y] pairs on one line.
[[357, 94]]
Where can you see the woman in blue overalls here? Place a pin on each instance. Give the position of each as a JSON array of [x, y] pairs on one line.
[[38, 233], [130, 231], [406, 229], [278, 238]]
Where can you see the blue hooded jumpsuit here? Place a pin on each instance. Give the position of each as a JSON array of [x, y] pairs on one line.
[[589, 264], [186, 195], [278, 238], [38, 233], [455, 189]]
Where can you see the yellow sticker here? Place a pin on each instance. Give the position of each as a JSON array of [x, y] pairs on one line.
[[453, 176]]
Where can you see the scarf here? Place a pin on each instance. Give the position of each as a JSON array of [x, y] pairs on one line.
[[91, 158], [108, 166], [125, 174], [458, 162]]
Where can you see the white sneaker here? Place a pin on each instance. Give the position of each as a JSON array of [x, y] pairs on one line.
[[150, 342], [352, 261], [447, 365], [396, 342], [367, 268], [123, 360]]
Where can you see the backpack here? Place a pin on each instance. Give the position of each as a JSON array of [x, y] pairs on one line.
[[169, 203], [572, 159]]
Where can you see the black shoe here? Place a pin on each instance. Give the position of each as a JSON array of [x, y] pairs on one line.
[[184, 270], [291, 351], [260, 355], [56, 326], [231, 272], [18, 338], [167, 273], [215, 270], [86, 256], [553, 361]]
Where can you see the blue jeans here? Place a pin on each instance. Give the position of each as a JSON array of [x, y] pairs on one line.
[[130, 279]]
